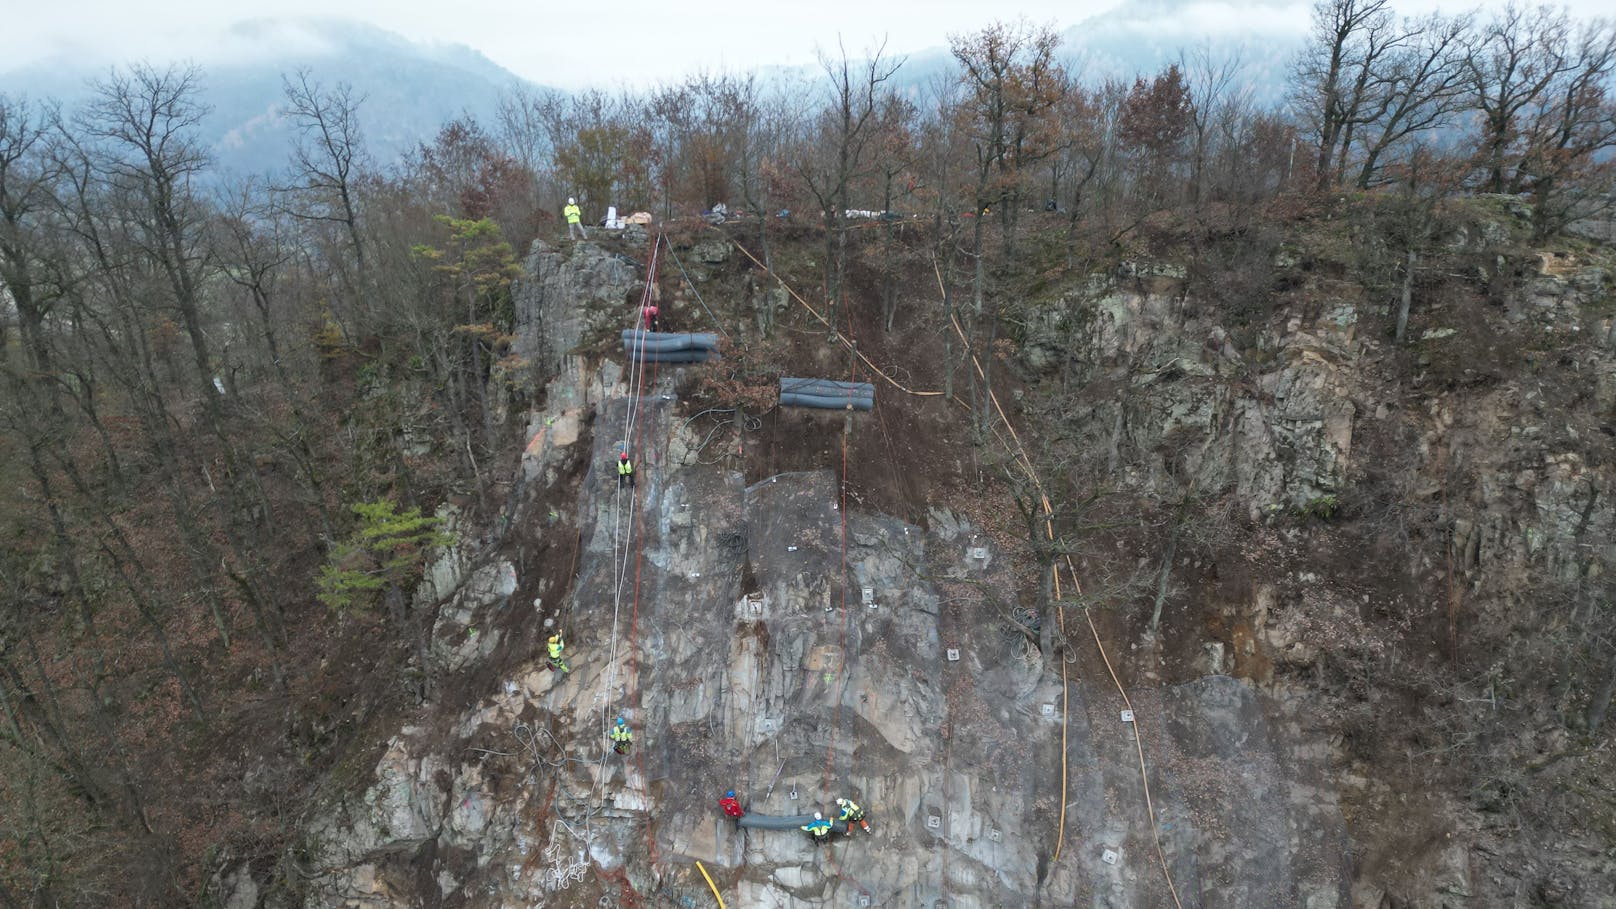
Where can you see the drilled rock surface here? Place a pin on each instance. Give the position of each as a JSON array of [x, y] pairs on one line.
[[714, 617]]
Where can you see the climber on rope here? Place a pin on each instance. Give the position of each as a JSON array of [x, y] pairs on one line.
[[731, 807], [818, 829], [851, 814], [621, 737], [652, 323], [625, 471], [575, 219], [557, 645]]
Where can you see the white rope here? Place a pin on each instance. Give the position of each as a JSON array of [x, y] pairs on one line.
[[621, 549]]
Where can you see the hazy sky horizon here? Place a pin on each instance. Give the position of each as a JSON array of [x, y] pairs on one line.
[[574, 45]]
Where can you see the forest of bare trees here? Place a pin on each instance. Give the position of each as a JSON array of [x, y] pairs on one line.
[[228, 400]]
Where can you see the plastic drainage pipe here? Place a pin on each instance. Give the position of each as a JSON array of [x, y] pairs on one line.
[[645, 340], [674, 356], [826, 387], [826, 402], [791, 822]]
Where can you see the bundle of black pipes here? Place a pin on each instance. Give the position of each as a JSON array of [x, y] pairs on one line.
[[657, 347], [789, 822], [827, 394]]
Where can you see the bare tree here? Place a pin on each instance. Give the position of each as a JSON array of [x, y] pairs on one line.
[[1421, 182], [1335, 73], [1418, 89], [835, 155], [1542, 87], [327, 158], [1155, 119], [1214, 90], [1013, 83]]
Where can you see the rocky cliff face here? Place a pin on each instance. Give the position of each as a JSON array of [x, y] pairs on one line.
[[762, 638], [1391, 535], [568, 296], [739, 664]]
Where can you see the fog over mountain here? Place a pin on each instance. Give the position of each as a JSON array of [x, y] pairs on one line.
[[411, 87], [1143, 38]]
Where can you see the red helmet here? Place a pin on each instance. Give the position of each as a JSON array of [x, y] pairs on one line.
[[623, 456]]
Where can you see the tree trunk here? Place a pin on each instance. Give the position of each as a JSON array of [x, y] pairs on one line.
[[1407, 297], [977, 275], [1599, 704]]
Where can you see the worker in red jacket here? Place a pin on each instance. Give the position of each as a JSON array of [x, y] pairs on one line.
[[652, 323], [730, 806]]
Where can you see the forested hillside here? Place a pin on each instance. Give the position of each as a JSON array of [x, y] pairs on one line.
[[1363, 335]]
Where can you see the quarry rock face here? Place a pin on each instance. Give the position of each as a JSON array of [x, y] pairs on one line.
[[714, 618], [1284, 442]]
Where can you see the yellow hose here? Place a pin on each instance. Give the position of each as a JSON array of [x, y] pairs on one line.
[[716, 894], [1020, 451]]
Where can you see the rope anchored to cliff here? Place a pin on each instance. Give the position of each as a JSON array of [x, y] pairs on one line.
[[1019, 452]]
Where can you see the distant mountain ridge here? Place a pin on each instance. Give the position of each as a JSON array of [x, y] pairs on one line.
[[410, 88], [1142, 38]]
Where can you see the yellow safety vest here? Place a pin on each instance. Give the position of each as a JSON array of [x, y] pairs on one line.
[[555, 650], [624, 468], [572, 213], [621, 734], [850, 810]]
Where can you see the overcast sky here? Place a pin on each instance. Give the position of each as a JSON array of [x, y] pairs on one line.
[[574, 43]]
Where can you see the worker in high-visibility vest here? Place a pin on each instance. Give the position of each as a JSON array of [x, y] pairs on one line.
[[851, 814], [818, 829], [557, 645], [625, 471], [575, 219], [621, 737]]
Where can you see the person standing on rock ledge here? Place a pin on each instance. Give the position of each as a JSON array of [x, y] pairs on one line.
[[557, 645], [851, 814], [621, 737], [575, 219], [625, 471], [731, 806]]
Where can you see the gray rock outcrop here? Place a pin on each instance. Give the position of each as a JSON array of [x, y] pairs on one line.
[[717, 622]]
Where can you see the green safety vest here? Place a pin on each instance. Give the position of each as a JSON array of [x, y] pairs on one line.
[[555, 650], [621, 734], [850, 810], [572, 213], [624, 468]]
